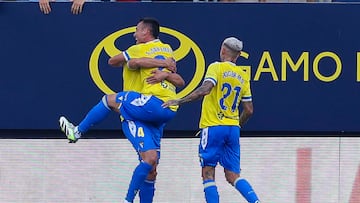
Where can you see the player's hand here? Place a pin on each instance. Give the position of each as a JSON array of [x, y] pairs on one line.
[[77, 6], [171, 64], [174, 102], [157, 76], [44, 6]]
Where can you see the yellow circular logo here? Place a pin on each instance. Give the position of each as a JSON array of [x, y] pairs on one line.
[[185, 46]]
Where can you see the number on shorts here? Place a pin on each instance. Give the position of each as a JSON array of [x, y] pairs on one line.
[[140, 132]]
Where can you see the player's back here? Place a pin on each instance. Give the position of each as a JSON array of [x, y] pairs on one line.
[[221, 105], [131, 79], [163, 90], [153, 49]]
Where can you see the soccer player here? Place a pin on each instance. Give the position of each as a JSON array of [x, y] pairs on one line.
[[149, 146], [225, 85], [143, 117]]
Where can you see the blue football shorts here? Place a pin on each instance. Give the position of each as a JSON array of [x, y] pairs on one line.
[[139, 107], [220, 144], [143, 136]]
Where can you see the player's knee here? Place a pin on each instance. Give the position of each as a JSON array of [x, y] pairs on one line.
[[231, 176], [110, 101], [208, 173], [150, 157], [152, 175], [230, 180]]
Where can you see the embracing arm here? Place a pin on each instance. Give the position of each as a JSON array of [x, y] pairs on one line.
[[175, 79], [159, 76], [201, 91], [168, 63], [117, 60]]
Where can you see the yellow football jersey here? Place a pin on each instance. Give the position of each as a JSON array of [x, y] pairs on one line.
[[153, 49], [231, 86], [131, 79]]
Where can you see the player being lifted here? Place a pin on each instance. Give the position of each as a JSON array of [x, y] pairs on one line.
[[147, 85]]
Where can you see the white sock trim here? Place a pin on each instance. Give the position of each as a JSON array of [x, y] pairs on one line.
[[149, 181], [104, 101], [209, 184], [238, 179]]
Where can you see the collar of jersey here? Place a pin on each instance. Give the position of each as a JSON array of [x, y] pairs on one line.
[[155, 40]]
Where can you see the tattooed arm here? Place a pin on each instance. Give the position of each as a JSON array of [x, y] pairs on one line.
[[201, 91]]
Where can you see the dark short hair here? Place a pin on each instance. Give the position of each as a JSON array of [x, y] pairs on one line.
[[153, 24]]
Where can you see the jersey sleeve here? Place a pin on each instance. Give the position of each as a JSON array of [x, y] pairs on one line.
[[246, 97], [212, 73], [132, 52]]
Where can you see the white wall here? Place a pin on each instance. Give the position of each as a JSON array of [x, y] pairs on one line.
[[98, 170]]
